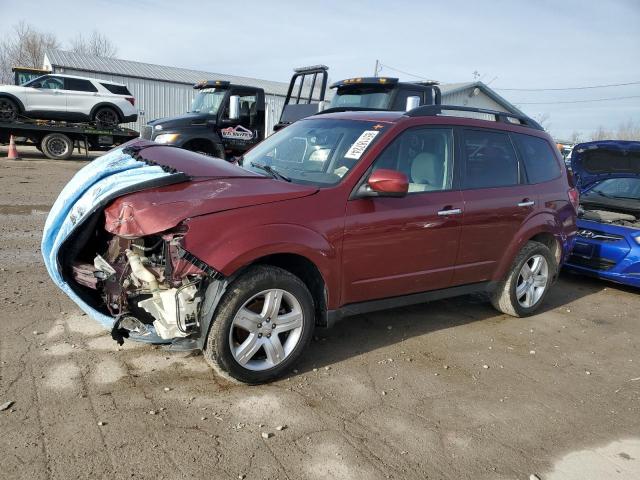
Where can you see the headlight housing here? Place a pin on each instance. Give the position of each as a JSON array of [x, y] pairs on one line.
[[167, 138]]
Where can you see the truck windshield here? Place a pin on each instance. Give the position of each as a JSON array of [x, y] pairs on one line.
[[208, 100], [314, 151], [374, 97]]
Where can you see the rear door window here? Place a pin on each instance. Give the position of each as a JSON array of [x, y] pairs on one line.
[[539, 160], [79, 85], [490, 160]]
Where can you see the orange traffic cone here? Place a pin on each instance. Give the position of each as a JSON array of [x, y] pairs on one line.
[[13, 151]]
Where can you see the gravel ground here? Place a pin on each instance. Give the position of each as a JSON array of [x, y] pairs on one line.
[[446, 390]]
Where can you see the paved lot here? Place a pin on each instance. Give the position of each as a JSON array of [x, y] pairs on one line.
[[447, 390]]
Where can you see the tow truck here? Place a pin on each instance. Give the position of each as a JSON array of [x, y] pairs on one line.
[[228, 119], [382, 93]]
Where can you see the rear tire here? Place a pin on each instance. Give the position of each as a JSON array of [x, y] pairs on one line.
[[526, 285], [57, 146], [8, 110], [252, 341], [106, 117]]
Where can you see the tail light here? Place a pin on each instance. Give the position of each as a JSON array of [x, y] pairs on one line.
[[574, 198], [131, 100]]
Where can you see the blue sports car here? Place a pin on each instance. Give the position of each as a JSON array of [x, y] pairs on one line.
[[607, 174]]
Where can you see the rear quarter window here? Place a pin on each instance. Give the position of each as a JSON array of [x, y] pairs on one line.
[[539, 160], [79, 85], [116, 89]]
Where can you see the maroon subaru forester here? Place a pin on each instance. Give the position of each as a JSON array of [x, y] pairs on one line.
[[338, 214]]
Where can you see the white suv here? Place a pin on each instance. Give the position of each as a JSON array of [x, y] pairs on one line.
[[70, 98]]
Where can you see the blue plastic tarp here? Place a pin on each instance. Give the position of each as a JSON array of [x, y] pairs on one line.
[[95, 184]]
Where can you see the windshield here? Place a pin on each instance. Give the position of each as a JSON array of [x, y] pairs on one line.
[[314, 151], [208, 100], [362, 97], [623, 188]]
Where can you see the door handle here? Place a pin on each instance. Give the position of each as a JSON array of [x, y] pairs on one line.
[[526, 203], [450, 211]]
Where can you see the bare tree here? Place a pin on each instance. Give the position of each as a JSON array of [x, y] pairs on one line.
[[97, 44], [24, 47], [576, 137], [543, 120], [626, 131]]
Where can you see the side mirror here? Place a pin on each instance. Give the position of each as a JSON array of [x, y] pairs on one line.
[[385, 183], [234, 107], [412, 102]]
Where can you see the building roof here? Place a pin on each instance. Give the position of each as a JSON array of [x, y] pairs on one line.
[[453, 88], [127, 68]]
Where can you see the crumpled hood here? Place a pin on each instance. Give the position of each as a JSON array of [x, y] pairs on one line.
[[592, 162], [215, 186]]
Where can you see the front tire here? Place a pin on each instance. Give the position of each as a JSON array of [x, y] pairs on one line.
[[262, 325], [8, 110], [526, 285]]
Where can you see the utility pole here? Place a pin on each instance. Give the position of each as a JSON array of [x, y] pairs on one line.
[[375, 71]]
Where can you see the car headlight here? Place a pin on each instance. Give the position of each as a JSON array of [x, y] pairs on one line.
[[637, 239], [167, 138]]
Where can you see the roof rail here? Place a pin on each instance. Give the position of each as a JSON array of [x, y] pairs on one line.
[[433, 110]]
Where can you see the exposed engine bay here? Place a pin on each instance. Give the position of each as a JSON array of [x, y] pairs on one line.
[[144, 281], [609, 217]]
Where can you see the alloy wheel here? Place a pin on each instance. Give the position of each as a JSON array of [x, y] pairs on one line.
[[533, 280], [266, 329]]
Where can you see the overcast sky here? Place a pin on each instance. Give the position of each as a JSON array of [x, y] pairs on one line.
[[512, 44]]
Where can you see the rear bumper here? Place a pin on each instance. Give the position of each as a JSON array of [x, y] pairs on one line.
[[130, 118]]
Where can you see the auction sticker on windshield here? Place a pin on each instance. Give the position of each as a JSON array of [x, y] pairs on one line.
[[361, 144]]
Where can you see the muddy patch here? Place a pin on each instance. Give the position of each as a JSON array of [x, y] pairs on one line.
[[24, 209]]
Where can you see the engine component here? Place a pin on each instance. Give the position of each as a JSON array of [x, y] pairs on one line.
[[102, 268], [608, 216], [174, 310], [140, 272]]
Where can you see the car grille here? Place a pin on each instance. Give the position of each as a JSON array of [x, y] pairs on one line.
[[146, 132], [594, 263]]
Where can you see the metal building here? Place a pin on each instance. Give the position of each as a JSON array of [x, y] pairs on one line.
[[163, 91], [160, 91]]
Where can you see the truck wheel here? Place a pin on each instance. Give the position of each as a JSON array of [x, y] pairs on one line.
[[57, 146], [8, 110], [106, 116], [262, 325], [522, 292]]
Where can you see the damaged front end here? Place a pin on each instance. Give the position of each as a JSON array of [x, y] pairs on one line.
[[150, 285], [138, 282]]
